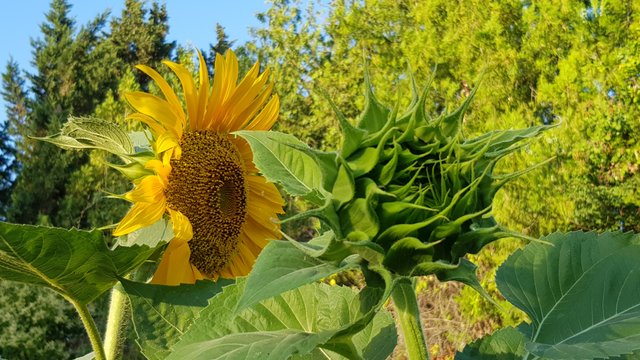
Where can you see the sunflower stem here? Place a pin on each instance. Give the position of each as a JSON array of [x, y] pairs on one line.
[[116, 324], [408, 314], [90, 327]]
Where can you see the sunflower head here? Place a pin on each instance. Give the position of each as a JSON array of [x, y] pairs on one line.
[[418, 187], [202, 176]]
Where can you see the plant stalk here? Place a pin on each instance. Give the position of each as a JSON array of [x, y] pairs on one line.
[[408, 313], [90, 328], [116, 324]]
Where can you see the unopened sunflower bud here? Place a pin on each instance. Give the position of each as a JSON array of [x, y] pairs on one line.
[[417, 187]]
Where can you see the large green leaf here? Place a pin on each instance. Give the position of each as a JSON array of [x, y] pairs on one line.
[[287, 161], [504, 344], [92, 133], [161, 314], [582, 294], [298, 323], [282, 266], [75, 263]]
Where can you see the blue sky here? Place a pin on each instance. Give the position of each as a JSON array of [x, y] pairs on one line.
[[190, 22]]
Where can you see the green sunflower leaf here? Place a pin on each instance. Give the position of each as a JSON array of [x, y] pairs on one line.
[[301, 323], [89, 356], [158, 233], [359, 215], [324, 247], [287, 161], [344, 187], [92, 133], [581, 294], [504, 344], [496, 144], [464, 272], [75, 263], [161, 314], [351, 135], [375, 115], [132, 170], [282, 266], [405, 253]]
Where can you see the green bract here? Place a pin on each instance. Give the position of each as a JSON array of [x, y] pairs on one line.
[[407, 191]]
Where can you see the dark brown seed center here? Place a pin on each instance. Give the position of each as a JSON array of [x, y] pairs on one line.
[[207, 185]]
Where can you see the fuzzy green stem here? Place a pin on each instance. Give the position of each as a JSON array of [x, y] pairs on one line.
[[90, 328], [116, 324], [408, 312]]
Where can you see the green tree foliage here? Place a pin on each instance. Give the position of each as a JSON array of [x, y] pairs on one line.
[[67, 79], [7, 167], [292, 45], [14, 95], [223, 43], [138, 36], [40, 324], [78, 72], [535, 62]]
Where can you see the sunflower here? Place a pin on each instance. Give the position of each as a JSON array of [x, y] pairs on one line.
[[222, 211]]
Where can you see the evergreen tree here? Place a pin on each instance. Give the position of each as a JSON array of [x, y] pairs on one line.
[[221, 46], [13, 94], [138, 36], [65, 82], [7, 167], [75, 72]]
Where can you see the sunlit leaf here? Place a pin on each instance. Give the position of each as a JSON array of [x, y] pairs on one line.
[[75, 263], [300, 322], [282, 266], [287, 161], [92, 133], [161, 314], [582, 294], [504, 344]]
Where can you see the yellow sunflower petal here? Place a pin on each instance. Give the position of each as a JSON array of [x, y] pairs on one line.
[[182, 230], [155, 126], [165, 142], [267, 117], [149, 190], [230, 75], [214, 106], [203, 94], [260, 230], [225, 273], [157, 108], [188, 87], [164, 86], [174, 268], [253, 245], [239, 120], [140, 215], [242, 97], [238, 266], [245, 153], [262, 191], [160, 169]]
